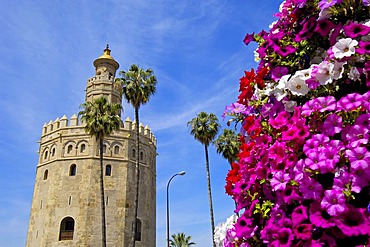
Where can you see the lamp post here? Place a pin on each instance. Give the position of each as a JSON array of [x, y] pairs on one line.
[[168, 207]]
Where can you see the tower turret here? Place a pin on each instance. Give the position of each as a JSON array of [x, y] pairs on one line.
[[103, 84]]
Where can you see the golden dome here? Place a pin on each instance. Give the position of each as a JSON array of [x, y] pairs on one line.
[[104, 57]]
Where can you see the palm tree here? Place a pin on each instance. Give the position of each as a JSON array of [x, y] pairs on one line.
[[228, 144], [101, 119], [137, 87], [204, 128], [180, 240]]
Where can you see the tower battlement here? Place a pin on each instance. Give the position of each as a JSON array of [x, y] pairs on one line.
[[64, 122]]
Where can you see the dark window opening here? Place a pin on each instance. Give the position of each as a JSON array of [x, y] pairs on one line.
[[138, 230], [72, 170], [82, 148], [108, 170], [53, 152], [45, 155], [116, 150], [133, 153], [69, 149], [46, 173], [141, 155], [67, 227], [104, 149]]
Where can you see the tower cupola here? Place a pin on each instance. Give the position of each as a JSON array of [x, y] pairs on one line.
[[103, 83]]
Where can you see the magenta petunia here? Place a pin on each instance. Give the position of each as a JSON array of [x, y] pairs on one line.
[[333, 202], [363, 48], [359, 158], [303, 231], [332, 124], [323, 27], [325, 4], [353, 29], [279, 180], [278, 71], [354, 222], [248, 38], [320, 217], [299, 215], [244, 227], [357, 135], [350, 102], [285, 50], [311, 189], [327, 103], [283, 238]]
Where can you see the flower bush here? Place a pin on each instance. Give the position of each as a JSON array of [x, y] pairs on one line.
[[303, 171]]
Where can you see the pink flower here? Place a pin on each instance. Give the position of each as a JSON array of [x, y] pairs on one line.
[[325, 103], [359, 158], [279, 181], [310, 189], [319, 217], [353, 30], [350, 102], [303, 231], [332, 124], [323, 27], [363, 48], [354, 222], [333, 202], [357, 135]]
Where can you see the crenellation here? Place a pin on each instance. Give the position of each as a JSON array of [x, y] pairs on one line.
[[128, 124], [50, 126], [64, 121], [74, 120], [74, 127]]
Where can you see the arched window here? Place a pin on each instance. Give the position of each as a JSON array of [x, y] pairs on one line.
[[141, 155], [53, 152], [133, 153], [82, 148], [67, 227], [69, 149], [45, 155], [116, 149], [138, 230], [104, 149], [72, 170], [108, 170], [46, 173]]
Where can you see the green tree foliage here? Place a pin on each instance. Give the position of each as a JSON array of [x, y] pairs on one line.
[[180, 240], [101, 119], [204, 128], [227, 144], [137, 87]]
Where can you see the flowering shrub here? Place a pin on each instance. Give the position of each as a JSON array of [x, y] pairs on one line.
[[303, 173]]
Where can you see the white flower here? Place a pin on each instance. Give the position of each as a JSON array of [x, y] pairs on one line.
[[221, 229], [279, 91], [256, 56], [338, 69], [354, 74], [304, 74], [289, 105], [297, 86], [344, 48], [323, 73]]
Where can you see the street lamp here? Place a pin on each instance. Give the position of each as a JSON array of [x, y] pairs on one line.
[[168, 207]]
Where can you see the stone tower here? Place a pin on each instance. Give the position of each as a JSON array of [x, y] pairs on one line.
[[66, 201]]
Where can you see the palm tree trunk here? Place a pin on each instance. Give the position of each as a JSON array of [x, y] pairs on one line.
[[134, 225], [102, 201], [210, 195]]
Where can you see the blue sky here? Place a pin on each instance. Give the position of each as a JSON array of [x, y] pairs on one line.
[[196, 51]]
